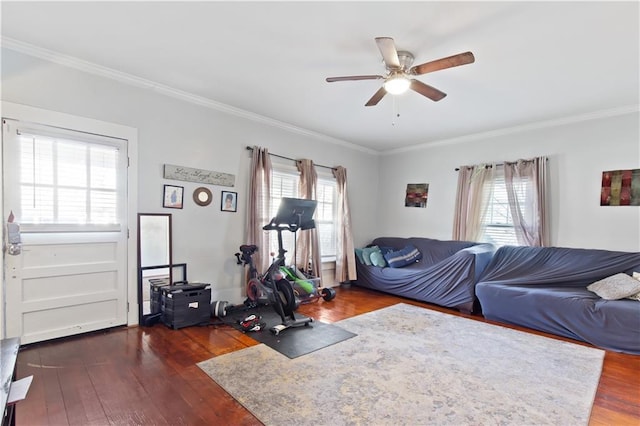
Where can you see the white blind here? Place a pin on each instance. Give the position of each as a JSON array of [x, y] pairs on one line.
[[497, 222], [325, 217], [67, 182], [285, 184]]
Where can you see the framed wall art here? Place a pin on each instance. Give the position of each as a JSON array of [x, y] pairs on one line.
[[202, 196], [189, 174], [416, 195], [620, 188], [173, 197], [229, 201]]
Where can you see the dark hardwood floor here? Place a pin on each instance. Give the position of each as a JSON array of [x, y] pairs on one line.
[[148, 376]]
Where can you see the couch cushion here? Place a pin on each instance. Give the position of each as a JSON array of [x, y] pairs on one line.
[[386, 249], [403, 257], [636, 275], [571, 312], [377, 259], [366, 254], [615, 287]]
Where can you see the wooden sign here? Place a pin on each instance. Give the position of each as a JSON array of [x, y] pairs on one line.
[[188, 174]]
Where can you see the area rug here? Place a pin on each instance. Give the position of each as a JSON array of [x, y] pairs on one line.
[[409, 365], [292, 342]]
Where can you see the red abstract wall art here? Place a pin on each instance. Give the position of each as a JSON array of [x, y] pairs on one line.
[[620, 188]]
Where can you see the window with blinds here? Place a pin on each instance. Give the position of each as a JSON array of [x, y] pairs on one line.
[[67, 182], [285, 184], [497, 222]]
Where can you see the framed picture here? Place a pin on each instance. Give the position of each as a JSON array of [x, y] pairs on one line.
[[173, 197], [620, 188], [417, 194], [229, 201]]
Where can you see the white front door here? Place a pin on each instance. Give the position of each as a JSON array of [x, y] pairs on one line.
[[67, 190]]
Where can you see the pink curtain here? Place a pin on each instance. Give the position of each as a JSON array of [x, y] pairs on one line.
[[259, 205], [308, 246], [526, 183], [345, 254], [471, 201]]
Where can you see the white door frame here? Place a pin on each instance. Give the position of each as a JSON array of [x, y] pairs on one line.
[[30, 114]]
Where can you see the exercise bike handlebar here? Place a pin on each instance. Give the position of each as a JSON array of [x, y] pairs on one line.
[[273, 226]]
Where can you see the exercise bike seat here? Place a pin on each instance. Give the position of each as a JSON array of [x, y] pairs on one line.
[[248, 249]]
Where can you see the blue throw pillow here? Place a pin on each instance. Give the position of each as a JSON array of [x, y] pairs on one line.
[[385, 250], [377, 259], [359, 255], [366, 254], [406, 256]]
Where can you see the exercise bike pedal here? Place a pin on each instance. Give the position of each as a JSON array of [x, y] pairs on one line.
[[276, 329]]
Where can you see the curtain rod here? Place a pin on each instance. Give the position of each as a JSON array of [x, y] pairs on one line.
[[250, 148], [488, 166]]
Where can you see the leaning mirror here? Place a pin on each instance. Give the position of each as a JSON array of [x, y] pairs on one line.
[[154, 257], [154, 239]]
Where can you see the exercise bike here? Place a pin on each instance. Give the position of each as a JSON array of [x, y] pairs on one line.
[[271, 287], [257, 292]]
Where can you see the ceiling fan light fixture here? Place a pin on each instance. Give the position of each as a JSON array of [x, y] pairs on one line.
[[400, 72], [396, 84]]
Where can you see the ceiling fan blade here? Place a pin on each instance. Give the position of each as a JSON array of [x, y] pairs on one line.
[[354, 77], [376, 97], [440, 64], [426, 90], [389, 52]]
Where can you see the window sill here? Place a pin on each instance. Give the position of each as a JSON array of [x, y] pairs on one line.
[[328, 263]]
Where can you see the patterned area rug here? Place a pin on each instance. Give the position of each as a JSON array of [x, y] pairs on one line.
[[409, 365]]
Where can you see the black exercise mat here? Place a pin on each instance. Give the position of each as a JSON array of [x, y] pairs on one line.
[[294, 341]]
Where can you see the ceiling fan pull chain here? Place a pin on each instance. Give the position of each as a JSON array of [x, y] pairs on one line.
[[396, 110]]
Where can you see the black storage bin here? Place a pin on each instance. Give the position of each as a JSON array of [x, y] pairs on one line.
[[184, 305], [156, 296]]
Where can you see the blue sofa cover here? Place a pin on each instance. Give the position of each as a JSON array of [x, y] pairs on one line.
[[544, 288], [446, 275]]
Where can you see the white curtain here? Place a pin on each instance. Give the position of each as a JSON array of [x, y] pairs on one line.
[[308, 245], [345, 254], [526, 182], [259, 205], [471, 201]]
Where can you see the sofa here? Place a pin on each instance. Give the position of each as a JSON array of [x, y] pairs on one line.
[[555, 290], [435, 271]]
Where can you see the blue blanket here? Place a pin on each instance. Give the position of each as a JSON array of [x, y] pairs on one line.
[[545, 288], [445, 275]]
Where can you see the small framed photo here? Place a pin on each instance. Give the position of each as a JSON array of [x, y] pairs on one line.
[[173, 197], [229, 201]]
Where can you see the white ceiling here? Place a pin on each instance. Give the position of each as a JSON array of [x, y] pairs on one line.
[[535, 61]]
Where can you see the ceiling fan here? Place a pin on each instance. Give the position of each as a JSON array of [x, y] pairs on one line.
[[399, 72]]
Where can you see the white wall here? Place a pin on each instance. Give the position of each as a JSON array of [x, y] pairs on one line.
[[578, 154], [177, 132], [182, 133]]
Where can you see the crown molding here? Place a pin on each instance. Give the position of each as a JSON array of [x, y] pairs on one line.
[[132, 80], [595, 115]]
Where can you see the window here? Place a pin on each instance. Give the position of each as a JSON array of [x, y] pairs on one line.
[[325, 218], [497, 223], [285, 184], [67, 182]]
